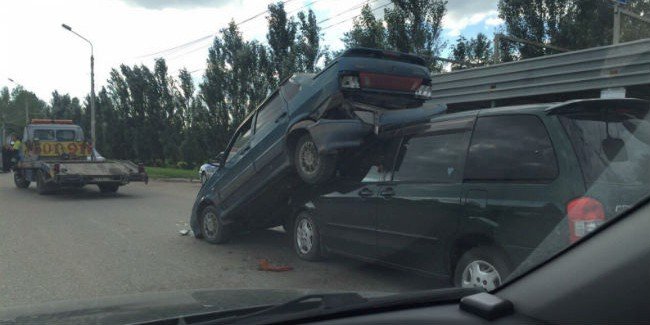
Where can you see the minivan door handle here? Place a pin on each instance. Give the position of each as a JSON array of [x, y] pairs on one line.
[[387, 192], [366, 192]]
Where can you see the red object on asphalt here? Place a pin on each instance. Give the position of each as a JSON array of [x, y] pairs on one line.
[[265, 265]]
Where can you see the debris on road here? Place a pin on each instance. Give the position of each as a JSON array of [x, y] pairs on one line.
[[184, 232], [265, 265]]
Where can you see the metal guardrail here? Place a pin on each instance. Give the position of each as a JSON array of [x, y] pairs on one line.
[[625, 64]]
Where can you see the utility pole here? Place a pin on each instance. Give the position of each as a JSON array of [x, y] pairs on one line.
[[92, 85]]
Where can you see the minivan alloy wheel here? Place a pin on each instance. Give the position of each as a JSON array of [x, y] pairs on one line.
[[480, 274], [305, 236]]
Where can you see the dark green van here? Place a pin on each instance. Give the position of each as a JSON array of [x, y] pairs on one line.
[[471, 195]]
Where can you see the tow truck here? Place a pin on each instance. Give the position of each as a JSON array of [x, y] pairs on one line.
[[55, 155]]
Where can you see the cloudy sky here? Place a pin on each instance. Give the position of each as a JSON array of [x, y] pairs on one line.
[[37, 53]]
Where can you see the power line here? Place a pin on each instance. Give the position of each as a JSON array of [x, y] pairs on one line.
[[292, 11], [319, 22], [206, 37], [351, 18], [346, 11]]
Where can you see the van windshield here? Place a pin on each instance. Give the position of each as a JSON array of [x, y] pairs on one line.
[[612, 143]]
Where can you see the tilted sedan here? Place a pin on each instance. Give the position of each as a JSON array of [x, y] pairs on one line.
[[309, 127]]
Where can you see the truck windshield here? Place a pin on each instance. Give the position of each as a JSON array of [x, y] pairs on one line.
[[612, 144]]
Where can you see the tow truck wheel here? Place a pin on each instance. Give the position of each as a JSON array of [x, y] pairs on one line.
[[108, 188], [20, 180], [41, 186], [312, 166]]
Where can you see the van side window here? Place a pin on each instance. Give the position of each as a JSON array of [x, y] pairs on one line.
[[434, 158], [510, 148]]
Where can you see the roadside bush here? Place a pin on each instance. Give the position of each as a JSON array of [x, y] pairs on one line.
[[182, 165]]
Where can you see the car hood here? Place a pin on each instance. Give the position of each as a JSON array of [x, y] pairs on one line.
[[151, 306]]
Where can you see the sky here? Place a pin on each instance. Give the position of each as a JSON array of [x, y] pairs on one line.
[[40, 55]]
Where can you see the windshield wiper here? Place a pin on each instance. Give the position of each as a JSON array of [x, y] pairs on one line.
[[307, 303]]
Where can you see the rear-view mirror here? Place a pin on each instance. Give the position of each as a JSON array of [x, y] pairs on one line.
[[614, 149]]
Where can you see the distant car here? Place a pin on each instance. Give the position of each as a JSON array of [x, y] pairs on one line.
[[470, 195], [207, 170], [309, 127]]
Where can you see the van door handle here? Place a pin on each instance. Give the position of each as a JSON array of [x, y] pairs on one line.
[[366, 192], [387, 192]]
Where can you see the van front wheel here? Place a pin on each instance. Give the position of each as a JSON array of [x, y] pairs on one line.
[[481, 267]]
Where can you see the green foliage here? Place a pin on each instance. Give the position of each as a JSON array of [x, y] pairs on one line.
[[570, 24], [411, 26], [367, 31], [476, 51]]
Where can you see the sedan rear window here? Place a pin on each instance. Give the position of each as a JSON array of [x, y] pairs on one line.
[[612, 143]]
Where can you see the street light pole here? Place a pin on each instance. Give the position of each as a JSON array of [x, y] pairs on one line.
[[92, 84]]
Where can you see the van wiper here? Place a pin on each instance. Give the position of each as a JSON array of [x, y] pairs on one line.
[[307, 303]]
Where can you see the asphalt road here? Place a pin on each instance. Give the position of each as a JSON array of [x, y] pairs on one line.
[[82, 244]]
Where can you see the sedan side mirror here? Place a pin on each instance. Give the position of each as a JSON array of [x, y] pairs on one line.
[[218, 159]]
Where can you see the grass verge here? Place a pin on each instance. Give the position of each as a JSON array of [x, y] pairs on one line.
[[160, 172]]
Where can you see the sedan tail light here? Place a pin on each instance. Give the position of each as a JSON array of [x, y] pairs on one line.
[[585, 214]]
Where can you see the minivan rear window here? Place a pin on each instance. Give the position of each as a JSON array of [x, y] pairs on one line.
[[612, 143]]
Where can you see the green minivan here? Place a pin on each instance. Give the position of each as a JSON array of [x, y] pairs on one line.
[[470, 195]]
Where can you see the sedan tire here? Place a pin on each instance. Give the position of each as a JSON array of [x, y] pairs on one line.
[[212, 228], [481, 267], [306, 237], [312, 166]]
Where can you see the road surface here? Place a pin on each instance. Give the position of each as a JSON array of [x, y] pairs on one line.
[[83, 244]]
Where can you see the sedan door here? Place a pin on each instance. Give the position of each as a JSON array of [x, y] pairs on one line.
[[420, 208], [238, 168]]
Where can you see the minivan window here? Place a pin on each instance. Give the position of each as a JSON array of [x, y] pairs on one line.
[[432, 158], [269, 113], [510, 148], [612, 144]]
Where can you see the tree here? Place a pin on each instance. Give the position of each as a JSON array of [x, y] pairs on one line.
[[367, 31], [281, 38], [308, 43], [415, 26], [477, 51], [570, 24]]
